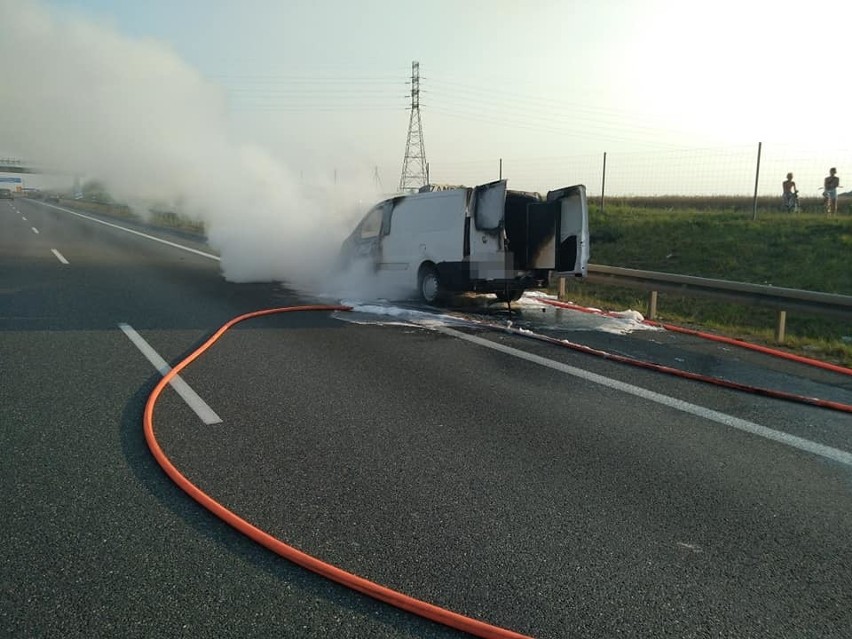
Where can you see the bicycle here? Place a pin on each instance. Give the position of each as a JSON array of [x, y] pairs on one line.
[[790, 202], [829, 204]]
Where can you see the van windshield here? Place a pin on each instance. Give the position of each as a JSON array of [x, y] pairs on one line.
[[372, 224]]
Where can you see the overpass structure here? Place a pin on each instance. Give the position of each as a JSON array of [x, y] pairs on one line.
[[21, 176], [11, 165]]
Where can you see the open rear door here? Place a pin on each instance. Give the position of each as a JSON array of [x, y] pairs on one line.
[[489, 203], [486, 239], [572, 230]]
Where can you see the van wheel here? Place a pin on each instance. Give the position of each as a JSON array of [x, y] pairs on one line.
[[429, 285], [510, 296]]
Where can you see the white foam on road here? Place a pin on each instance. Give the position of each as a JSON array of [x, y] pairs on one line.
[[534, 314], [618, 322]]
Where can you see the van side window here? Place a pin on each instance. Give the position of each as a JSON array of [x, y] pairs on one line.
[[372, 224]]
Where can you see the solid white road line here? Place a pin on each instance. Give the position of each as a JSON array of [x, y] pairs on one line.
[[204, 412], [35, 230], [834, 454], [139, 233], [59, 256]]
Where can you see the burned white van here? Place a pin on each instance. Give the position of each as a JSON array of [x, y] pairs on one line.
[[483, 239]]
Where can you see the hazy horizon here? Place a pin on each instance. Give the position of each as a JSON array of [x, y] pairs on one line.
[[277, 102]]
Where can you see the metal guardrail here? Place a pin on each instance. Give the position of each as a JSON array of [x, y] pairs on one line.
[[782, 299]]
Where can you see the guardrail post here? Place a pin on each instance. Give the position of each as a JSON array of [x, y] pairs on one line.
[[781, 327], [756, 181], [652, 305], [561, 296]]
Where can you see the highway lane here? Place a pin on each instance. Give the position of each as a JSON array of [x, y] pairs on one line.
[[473, 478], [96, 541]]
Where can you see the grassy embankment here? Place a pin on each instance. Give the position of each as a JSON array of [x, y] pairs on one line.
[[153, 216], [717, 238]]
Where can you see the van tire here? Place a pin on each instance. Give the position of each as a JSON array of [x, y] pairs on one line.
[[428, 284]]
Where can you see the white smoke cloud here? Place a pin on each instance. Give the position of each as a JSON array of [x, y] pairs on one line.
[[78, 96]]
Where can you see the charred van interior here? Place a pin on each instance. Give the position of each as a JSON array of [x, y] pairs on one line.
[[530, 230]]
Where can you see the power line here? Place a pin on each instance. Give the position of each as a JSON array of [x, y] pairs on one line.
[[287, 92], [529, 105], [519, 122]]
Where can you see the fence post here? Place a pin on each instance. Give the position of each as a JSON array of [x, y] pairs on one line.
[[603, 182], [756, 180], [652, 305], [561, 296], [501, 169], [781, 327]]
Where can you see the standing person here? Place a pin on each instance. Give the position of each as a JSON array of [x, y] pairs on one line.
[[829, 193], [789, 195]]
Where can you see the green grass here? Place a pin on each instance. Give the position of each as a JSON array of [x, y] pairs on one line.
[[175, 221], [804, 251]]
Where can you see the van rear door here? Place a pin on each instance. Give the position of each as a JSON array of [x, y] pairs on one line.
[[572, 229], [487, 233], [489, 203]]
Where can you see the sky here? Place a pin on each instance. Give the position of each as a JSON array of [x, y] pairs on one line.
[[677, 94]]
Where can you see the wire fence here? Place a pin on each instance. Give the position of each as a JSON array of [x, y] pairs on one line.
[[734, 171], [728, 171]]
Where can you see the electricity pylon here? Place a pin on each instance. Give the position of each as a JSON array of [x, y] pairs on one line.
[[414, 165]]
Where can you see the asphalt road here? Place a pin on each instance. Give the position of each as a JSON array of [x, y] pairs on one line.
[[532, 487]]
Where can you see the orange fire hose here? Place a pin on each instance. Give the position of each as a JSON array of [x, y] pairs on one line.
[[398, 599], [404, 602]]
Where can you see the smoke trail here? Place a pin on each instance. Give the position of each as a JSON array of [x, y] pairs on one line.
[[78, 96]]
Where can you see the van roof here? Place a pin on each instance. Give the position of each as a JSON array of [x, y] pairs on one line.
[[429, 188]]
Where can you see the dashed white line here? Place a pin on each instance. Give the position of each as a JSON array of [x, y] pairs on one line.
[[35, 230], [204, 412], [59, 256], [800, 443]]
